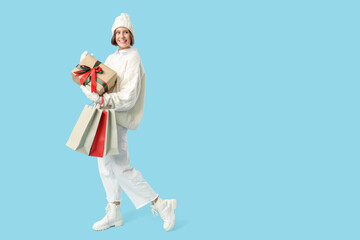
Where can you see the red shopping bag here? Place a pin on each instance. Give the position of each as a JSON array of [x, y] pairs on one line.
[[97, 148]]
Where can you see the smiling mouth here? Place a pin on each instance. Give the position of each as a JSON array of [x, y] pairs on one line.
[[122, 41]]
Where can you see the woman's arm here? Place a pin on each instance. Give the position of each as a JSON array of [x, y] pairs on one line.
[[129, 92]]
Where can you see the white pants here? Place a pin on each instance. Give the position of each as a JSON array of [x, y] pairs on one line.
[[116, 175]]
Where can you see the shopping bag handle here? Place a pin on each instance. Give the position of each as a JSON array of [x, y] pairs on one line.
[[101, 105]]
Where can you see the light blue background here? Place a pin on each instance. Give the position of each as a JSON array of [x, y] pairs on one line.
[[251, 119]]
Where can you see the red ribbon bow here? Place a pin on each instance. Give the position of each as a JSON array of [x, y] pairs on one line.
[[88, 73]]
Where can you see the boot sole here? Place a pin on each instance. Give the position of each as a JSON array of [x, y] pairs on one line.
[[117, 224]]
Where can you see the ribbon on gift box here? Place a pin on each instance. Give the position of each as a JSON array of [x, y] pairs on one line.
[[90, 75]]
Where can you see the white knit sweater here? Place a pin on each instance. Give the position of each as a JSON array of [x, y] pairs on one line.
[[128, 95]]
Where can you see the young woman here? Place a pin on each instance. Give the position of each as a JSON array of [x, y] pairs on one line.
[[127, 98]]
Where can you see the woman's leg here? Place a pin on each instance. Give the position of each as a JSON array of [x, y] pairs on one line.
[[112, 187], [130, 179], [113, 193], [138, 190]]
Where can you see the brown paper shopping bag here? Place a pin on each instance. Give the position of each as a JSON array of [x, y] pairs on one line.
[[83, 134]]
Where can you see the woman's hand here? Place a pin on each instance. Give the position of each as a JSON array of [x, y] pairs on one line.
[[84, 54], [93, 96]]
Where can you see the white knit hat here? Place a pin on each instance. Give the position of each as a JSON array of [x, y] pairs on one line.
[[123, 21]]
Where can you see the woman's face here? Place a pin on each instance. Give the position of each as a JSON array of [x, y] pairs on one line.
[[122, 37]]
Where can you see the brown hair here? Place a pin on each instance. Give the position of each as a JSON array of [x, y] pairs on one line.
[[113, 39]]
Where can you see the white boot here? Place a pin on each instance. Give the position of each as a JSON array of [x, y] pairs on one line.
[[165, 208], [112, 218]]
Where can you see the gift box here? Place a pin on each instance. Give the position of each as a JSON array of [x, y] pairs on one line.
[[92, 72]]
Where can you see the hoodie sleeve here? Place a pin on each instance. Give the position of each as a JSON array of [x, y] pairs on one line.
[[130, 87]]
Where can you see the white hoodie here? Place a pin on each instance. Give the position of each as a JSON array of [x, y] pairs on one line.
[[128, 95]]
